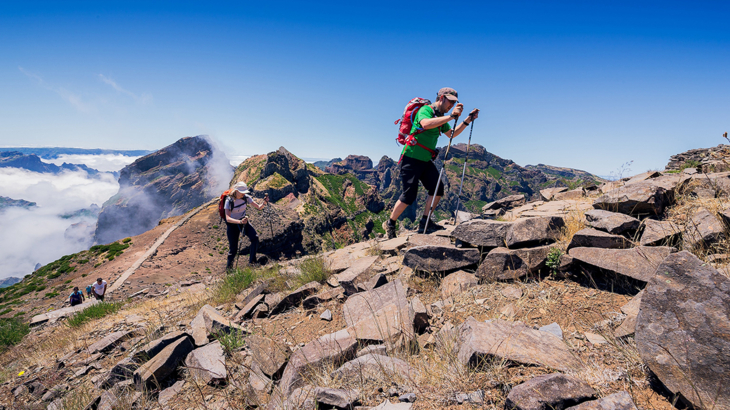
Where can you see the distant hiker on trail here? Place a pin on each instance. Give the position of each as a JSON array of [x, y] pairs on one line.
[[77, 297], [416, 162], [237, 222], [88, 291], [99, 289]]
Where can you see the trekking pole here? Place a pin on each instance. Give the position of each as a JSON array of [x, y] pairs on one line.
[[238, 251], [268, 208], [435, 193], [463, 171]]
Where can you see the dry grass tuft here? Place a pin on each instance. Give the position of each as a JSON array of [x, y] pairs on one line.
[[575, 220]]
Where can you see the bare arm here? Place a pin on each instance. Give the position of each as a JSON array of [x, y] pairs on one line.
[[231, 220]]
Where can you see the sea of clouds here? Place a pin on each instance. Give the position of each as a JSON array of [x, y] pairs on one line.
[[40, 234]]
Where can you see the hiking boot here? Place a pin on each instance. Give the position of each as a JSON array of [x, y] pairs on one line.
[[389, 229], [432, 226]]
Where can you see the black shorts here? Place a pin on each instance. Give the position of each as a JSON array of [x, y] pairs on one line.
[[413, 170]]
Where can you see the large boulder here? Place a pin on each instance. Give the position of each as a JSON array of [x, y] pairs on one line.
[[535, 231], [151, 349], [611, 222], [682, 330], [641, 198], [513, 341], [554, 391], [382, 314], [489, 234], [157, 369], [207, 364], [659, 233], [331, 349], [593, 238], [268, 355], [703, 229], [510, 264], [548, 194], [616, 401], [432, 258], [359, 272], [638, 263], [456, 283]]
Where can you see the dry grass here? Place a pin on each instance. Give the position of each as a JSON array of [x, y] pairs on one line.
[[575, 220]]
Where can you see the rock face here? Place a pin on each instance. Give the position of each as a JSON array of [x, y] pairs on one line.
[[611, 222], [659, 233], [593, 238], [616, 401], [515, 342], [681, 330], [207, 363], [434, 258], [529, 232], [164, 363], [269, 355], [382, 314], [209, 322], [552, 391], [509, 264], [641, 198], [703, 229], [166, 183], [638, 263], [490, 234]]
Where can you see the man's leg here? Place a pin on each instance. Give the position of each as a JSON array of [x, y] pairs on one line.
[[430, 178], [409, 169]]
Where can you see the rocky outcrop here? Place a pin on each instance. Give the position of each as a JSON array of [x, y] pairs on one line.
[[681, 330], [437, 258], [702, 159], [593, 238], [510, 264], [552, 391], [489, 234], [641, 198], [638, 263], [166, 183]]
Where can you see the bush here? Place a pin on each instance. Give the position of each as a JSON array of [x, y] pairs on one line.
[[231, 341], [96, 311], [52, 294], [12, 331], [553, 260], [234, 283], [126, 240], [313, 270]]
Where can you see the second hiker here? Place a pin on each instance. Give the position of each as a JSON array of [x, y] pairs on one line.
[[416, 160], [237, 222]]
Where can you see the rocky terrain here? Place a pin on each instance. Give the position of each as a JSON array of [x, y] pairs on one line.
[[616, 297], [166, 183]]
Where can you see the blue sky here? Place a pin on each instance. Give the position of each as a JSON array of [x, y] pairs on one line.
[[589, 85]]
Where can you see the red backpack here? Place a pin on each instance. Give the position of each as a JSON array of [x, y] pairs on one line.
[[222, 204], [406, 124]]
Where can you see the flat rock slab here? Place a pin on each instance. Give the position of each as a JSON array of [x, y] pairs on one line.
[[109, 342], [659, 233], [330, 349], [616, 401], [380, 314], [209, 322], [639, 263], [506, 202], [572, 195], [420, 239], [641, 198], [360, 271], [313, 301], [208, 363], [593, 238], [548, 193], [154, 347], [341, 259], [511, 292], [432, 258], [536, 231], [513, 341], [54, 315], [490, 234], [611, 222], [510, 264], [248, 308], [294, 297], [164, 363], [269, 355], [169, 393], [456, 283], [703, 229], [393, 245], [549, 392], [682, 329], [374, 367]]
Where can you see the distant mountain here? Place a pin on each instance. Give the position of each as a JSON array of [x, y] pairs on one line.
[[6, 202], [55, 152], [324, 164], [16, 159], [4, 283]]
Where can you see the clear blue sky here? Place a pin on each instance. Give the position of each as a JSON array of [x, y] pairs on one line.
[[585, 84]]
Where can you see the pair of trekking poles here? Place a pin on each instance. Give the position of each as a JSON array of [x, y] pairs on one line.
[[441, 173]]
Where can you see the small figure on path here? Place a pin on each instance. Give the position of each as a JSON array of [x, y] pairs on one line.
[[99, 289], [88, 291], [77, 297], [237, 222], [416, 160]]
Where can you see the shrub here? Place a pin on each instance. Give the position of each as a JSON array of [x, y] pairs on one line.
[[231, 341], [12, 331], [6, 311], [313, 270], [94, 312], [52, 294], [553, 260], [234, 283], [126, 240]]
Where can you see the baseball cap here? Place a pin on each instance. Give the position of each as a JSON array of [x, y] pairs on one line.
[[449, 93], [241, 187]]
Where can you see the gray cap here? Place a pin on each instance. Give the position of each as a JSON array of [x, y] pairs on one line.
[[449, 93]]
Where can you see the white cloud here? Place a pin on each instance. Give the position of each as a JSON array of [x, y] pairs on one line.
[[104, 163], [143, 98], [37, 235], [72, 98]]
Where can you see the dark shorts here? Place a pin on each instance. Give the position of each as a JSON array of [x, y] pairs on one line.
[[75, 302], [98, 297], [412, 171]]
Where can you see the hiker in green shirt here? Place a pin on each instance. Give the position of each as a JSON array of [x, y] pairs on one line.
[[416, 160]]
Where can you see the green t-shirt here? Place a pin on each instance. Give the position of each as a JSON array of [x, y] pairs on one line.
[[428, 138]]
